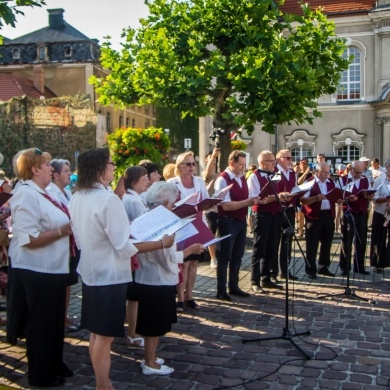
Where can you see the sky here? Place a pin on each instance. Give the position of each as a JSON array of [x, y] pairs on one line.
[[93, 18]]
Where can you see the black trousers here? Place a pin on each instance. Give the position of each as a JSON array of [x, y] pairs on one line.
[[266, 228], [380, 242], [45, 295], [231, 251], [319, 231], [357, 235], [285, 244]]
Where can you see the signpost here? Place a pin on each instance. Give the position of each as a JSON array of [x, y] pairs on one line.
[[187, 143]]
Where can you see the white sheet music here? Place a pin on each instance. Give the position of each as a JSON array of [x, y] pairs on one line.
[[152, 226], [215, 240], [186, 232]]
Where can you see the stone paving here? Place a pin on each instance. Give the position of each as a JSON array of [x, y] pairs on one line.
[[349, 341]]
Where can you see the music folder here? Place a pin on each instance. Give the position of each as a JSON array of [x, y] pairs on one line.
[[334, 195]]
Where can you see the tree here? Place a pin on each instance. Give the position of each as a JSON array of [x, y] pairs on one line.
[[8, 12], [241, 61]]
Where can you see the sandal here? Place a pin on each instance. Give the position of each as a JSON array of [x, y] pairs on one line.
[[179, 307], [135, 343], [192, 304]]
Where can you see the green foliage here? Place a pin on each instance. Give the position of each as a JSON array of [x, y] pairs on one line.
[[129, 146], [238, 145], [241, 61], [8, 12]]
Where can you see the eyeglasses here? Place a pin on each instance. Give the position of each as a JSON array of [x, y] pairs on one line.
[[38, 152], [271, 161], [111, 163], [189, 164], [358, 172], [288, 158]]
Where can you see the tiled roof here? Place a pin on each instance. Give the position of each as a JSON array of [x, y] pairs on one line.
[[331, 7], [16, 86], [66, 33]]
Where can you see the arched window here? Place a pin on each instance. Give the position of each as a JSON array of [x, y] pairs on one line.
[[301, 144], [348, 153], [300, 152], [68, 51], [42, 53], [16, 53], [350, 82]]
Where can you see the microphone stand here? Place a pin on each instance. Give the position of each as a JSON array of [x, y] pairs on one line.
[[286, 335], [350, 224]]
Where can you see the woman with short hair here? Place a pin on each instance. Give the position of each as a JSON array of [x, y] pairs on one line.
[[39, 251]]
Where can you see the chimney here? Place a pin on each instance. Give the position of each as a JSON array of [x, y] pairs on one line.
[[56, 18], [39, 78]]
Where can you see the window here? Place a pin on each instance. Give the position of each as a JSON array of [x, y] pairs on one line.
[[108, 121], [42, 53], [350, 82], [133, 123], [348, 145], [300, 152], [68, 51], [16, 53], [301, 144], [348, 153], [127, 122], [120, 120]]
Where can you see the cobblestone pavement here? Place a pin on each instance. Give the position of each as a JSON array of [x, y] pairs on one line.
[[349, 341]]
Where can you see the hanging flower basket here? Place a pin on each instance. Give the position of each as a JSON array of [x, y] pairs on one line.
[[238, 145]]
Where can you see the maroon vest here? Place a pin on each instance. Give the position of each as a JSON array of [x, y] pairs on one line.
[[312, 211], [285, 185], [360, 206], [271, 208], [237, 193]]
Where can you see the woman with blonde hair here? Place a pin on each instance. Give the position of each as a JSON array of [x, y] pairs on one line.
[[186, 184], [39, 252]]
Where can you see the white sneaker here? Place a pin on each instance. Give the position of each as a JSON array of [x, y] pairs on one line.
[[163, 370], [213, 263], [158, 361]]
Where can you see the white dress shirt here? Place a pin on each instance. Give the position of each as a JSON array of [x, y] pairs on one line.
[[382, 185], [159, 268], [101, 228], [325, 204], [220, 183], [57, 195], [133, 204], [32, 214]]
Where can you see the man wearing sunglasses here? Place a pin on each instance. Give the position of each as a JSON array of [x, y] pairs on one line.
[[287, 182], [356, 212], [232, 221]]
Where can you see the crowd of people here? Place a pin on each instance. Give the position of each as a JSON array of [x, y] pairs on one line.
[[59, 235]]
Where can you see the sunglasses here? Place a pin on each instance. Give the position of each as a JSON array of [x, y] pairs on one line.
[[189, 164], [38, 152]]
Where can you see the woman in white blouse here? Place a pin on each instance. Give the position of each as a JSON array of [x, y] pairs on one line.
[[39, 251], [156, 280], [135, 181], [102, 232], [380, 234], [186, 183]]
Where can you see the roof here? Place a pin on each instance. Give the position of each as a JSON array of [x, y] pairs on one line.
[[66, 33], [16, 86], [332, 7]]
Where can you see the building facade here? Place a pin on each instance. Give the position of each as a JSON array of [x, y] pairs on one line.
[[62, 59]]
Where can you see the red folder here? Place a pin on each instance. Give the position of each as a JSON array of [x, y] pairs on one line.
[[334, 195], [204, 235]]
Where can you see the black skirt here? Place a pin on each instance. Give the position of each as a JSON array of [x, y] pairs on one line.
[[103, 309], [156, 310]]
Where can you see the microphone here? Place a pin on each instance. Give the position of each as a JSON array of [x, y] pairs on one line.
[[268, 173]]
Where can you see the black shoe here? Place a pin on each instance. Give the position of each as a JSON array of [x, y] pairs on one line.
[[223, 296], [269, 284], [362, 272], [312, 276], [326, 272], [237, 291], [59, 381]]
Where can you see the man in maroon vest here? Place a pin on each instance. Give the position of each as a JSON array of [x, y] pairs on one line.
[[286, 184], [232, 220], [354, 222], [319, 215], [266, 223]]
